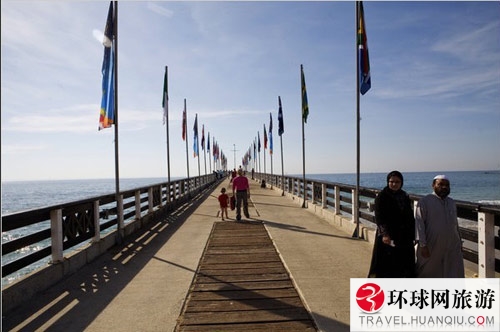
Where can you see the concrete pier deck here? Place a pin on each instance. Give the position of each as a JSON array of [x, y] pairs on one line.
[[143, 285]]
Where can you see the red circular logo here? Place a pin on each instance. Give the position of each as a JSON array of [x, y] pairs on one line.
[[370, 297]]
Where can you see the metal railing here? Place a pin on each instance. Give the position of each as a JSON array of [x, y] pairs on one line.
[[481, 243], [46, 235], [59, 229]]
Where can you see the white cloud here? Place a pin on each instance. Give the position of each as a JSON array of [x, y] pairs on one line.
[[19, 149], [474, 46], [155, 7]]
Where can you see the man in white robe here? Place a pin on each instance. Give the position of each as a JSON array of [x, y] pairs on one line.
[[439, 252]]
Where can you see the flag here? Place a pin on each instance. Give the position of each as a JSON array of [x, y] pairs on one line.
[[281, 128], [254, 150], [107, 112], [213, 147], [258, 144], [305, 105], [270, 133], [208, 143], [265, 137], [165, 96], [184, 122], [203, 137], [195, 130], [216, 151], [365, 82]]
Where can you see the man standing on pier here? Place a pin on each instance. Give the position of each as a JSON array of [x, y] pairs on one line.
[[439, 253], [242, 188]]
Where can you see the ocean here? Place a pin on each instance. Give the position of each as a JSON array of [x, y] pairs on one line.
[[474, 186], [26, 195]]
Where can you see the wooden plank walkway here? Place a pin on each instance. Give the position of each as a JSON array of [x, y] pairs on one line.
[[241, 284]]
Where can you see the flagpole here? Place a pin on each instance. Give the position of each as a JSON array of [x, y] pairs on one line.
[[356, 192], [166, 125], [203, 147], [271, 145], [271, 157], [210, 151], [258, 152], [303, 137], [197, 146], [198, 156], [213, 153], [282, 168], [265, 143], [280, 133], [255, 154], [234, 155], [119, 206], [187, 150], [304, 164]]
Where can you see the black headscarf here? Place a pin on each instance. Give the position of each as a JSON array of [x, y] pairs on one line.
[[397, 174], [399, 195]]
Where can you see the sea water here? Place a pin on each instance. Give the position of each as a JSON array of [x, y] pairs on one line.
[[473, 186]]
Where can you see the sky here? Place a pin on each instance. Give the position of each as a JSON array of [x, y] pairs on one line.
[[434, 102]]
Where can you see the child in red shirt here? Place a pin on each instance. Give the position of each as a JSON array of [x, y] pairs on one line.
[[223, 202]]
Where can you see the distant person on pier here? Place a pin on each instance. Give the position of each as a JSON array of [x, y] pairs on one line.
[[223, 202], [393, 251], [233, 175], [439, 252], [242, 189]]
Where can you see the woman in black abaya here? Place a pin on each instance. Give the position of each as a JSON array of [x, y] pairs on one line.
[[393, 251]]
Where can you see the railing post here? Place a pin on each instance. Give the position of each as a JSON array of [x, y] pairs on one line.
[[486, 245], [97, 223], [150, 199], [354, 203], [337, 200], [137, 204], [121, 223], [56, 228], [161, 196], [313, 196], [323, 195]]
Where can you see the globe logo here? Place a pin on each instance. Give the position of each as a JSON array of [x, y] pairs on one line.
[[370, 298]]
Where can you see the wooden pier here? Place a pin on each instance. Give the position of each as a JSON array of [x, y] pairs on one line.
[[242, 285]]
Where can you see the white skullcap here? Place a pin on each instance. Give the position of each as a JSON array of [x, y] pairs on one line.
[[441, 177]]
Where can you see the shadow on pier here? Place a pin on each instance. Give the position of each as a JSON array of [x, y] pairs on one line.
[[283, 269]]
